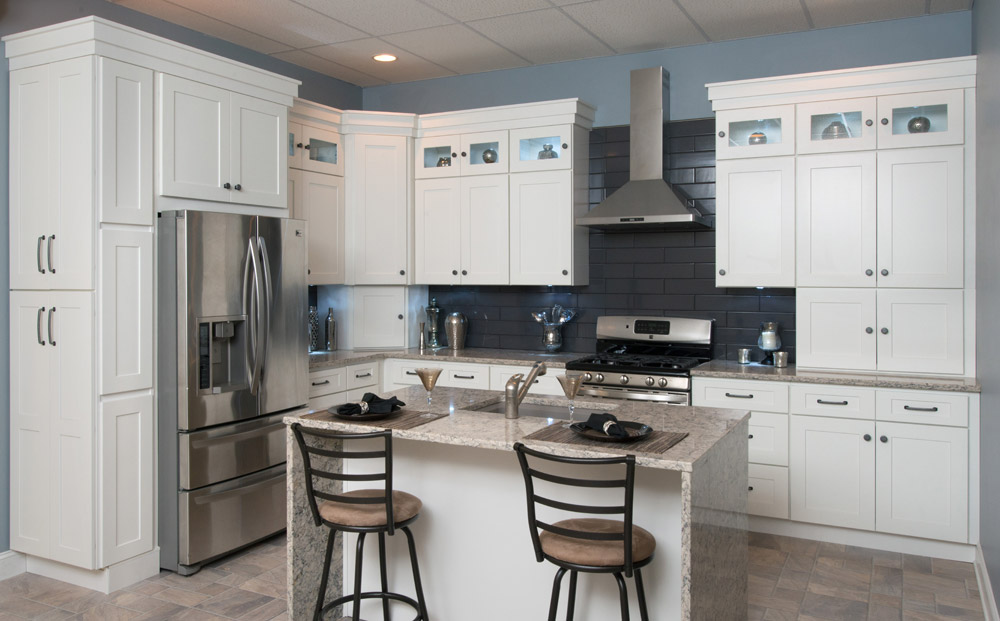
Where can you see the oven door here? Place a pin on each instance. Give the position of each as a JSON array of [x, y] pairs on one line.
[[631, 394]]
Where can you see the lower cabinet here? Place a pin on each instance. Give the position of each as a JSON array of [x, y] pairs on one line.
[[399, 373], [332, 387], [767, 493]]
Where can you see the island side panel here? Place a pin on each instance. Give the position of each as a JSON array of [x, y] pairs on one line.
[[718, 554], [307, 542]]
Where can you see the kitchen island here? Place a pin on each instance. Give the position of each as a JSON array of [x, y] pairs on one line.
[[472, 537]]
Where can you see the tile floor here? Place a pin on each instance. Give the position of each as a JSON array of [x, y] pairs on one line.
[[789, 579]]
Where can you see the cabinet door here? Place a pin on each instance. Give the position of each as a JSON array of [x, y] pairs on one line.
[[767, 491], [921, 331], [323, 208], [921, 224], [378, 317], [126, 477], [296, 208], [437, 156], [768, 438], [835, 220], [832, 471], [258, 165], [295, 145], [194, 140], [755, 223], [842, 125], [541, 148], [125, 137], [125, 308], [323, 151], [836, 328], [379, 206], [541, 228], [922, 481], [921, 119], [484, 153], [438, 231], [485, 230], [755, 132]]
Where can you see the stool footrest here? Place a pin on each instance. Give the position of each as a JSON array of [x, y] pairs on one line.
[[409, 601]]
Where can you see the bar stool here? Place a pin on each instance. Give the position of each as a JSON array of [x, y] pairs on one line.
[[361, 511], [592, 545]]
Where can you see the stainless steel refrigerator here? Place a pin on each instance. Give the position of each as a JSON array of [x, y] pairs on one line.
[[232, 359]]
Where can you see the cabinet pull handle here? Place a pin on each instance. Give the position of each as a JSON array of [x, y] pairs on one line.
[[565, 272], [868, 272], [825, 402], [454, 272], [735, 396], [323, 383], [227, 186], [38, 254], [465, 273], [356, 376], [565, 146], [750, 488], [750, 436], [38, 326], [49, 254], [399, 316], [237, 187], [883, 439], [869, 122], [307, 146], [299, 145], [884, 330], [916, 409], [868, 330], [463, 154], [411, 373], [885, 121], [884, 272], [52, 314], [466, 376], [722, 272], [402, 272], [453, 154], [867, 437]]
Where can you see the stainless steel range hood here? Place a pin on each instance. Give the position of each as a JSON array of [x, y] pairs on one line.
[[646, 202]]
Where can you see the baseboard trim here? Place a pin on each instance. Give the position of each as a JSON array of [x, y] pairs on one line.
[[866, 539], [106, 580], [11, 564], [985, 587]]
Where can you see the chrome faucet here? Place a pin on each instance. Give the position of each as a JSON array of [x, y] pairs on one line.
[[517, 388]]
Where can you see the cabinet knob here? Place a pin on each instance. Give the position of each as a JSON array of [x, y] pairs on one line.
[[399, 316], [454, 272], [883, 439], [565, 146], [750, 488], [750, 436], [237, 187], [565, 272], [868, 272], [884, 330], [884, 272], [885, 121], [454, 154], [299, 145], [464, 153], [722, 272], [402, 272], [307, 147], [227, 186], [868, 330], [308, 271], [465, 273], [722, 134], [868, 437], [869, 122]]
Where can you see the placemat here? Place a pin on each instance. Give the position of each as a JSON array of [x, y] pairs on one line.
[[403, 419], [657, 442]]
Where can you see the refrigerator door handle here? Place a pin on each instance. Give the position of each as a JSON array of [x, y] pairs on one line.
[[256, 309], [251, 308], [266, 304]]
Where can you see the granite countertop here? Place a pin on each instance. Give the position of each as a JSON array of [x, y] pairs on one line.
[[465, 427], [732, 370], [320, 360]]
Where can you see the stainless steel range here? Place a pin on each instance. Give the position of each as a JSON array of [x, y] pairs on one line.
[[645, 358]]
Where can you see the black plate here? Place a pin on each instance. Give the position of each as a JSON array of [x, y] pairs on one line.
[[365, 417], [636, 431]]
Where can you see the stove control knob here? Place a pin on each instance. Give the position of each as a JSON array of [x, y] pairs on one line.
[[599, 377], [623, 379], [663, 382], [587, 377], [650, 381]]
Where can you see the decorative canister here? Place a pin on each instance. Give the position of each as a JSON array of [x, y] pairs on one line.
[[433, 312], [490, 156], [769, 341], [313, 328], [757, 138], [919, 125], [552, 336], [455, 328]]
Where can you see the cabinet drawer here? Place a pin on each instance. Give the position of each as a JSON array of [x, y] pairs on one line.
[[918, 406], [327, 381], [476, 376], [362, 375], [838, 401], [741, 395], [769, 438], [544, 385], [403, 371], [767, 493]]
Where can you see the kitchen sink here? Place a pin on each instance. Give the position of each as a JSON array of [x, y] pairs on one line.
[[538, 410]]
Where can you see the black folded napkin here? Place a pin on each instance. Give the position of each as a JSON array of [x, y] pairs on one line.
[[370, 404], [606, 424]]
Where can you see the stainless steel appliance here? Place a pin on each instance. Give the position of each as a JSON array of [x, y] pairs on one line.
[[645, 358], [232, 359]]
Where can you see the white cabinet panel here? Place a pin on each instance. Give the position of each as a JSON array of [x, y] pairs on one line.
[[363, 375], [438, 231], [544, 384], [485, 153], [258, 165], [755, 225], [378, 317], [327, 382], [924, 407], [294, 145], [829, 400], [920, 218], [830, 471], [768, 438], [321, 150], [320, 202], [836, 328], [402, 372], [466, 376], [125, 135], [125, 303], [755, 132], [841, 125], [921, 119], [126, 436], [740, 394], [437, 156], [922, 481], [379, 203], [921, 331], [541, 148], [835, 220], [484, 234], [541, 228], [767, 493]]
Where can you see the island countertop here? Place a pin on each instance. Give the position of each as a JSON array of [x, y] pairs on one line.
[[320, 360], [465, 426]]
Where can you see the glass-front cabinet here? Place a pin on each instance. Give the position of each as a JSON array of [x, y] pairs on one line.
[[921, 119], [437, 156], [484, 153], [832, 126], [315, 149], [755, 132], [541, 148], [461, 155]]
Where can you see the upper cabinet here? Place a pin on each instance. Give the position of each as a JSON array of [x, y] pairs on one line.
[[541, 148], [316, 149], [830, 126], [482, 153], [218, 145], [755, 132], [921, 119]]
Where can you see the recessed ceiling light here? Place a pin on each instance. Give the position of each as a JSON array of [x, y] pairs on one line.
[[384, 58]]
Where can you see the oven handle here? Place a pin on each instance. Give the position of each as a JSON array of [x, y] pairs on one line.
[[669, 398]]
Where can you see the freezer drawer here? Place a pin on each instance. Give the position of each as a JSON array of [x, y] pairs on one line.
[[226, 452], [221, 518]]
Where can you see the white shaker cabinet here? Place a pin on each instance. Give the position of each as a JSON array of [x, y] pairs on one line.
[[541, 228], [378, 317], [755, 132], [485, 230], [437, 225], [755, 224], [319, 200], [832, 126], [921, 119]]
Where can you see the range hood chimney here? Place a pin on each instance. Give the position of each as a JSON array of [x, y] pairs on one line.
[[646, 202]]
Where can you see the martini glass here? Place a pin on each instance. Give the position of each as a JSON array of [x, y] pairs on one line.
[[429, 378], [571, 385]]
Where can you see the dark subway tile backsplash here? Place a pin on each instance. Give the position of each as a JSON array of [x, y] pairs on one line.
[[652, 273]]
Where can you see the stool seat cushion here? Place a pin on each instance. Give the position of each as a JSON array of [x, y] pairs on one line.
[[404, 507], [596, 553]]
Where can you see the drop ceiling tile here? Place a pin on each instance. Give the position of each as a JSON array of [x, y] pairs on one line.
[[725, 19], [378, 17], [545, 36], [464, 10], [328, 67], [358, 55], [946, 6], [828, 13], [458, 48], [281, 20], [202, 23], [638, 24], [566, 2]]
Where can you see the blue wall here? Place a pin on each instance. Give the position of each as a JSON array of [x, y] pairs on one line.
[[603, 82]]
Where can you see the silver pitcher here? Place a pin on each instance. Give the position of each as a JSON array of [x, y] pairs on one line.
[[455, 327]]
